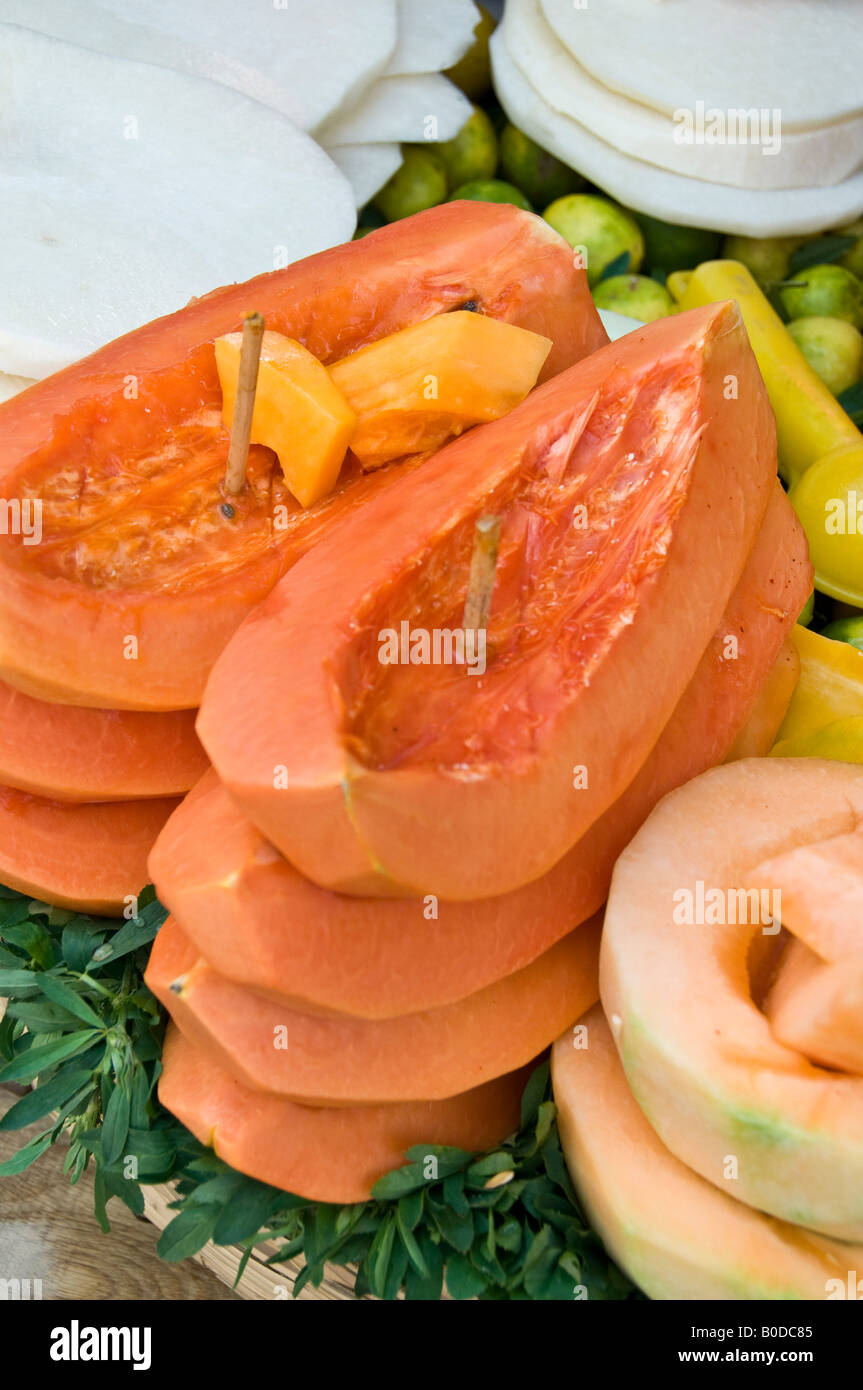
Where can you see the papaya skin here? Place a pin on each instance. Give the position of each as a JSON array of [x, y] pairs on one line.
[[74, 754], [346, 1061], [426, 779], [69, 605], [327, 1155], [699, 1055], [88, 858], [249, 912]]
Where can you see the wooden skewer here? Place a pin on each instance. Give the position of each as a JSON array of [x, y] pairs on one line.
[[483, 564], [244, 405]]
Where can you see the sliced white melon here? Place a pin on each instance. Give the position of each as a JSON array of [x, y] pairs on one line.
[[127, 189], [366, 167], [779, 159], [617, 325], [11, 385], [802, 56], [425, 107], [673, 197], [432, 37], [306, 59]]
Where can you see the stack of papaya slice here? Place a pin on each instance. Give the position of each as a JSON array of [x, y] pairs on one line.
[[114, 607], [711, 1110], [385, 895]]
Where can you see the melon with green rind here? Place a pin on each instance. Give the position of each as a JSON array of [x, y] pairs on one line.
[[698, 1054], [676, 1235]]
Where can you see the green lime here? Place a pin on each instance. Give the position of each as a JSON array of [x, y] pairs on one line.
[[539, 174], [807, 612], [491, 191], [600, 231], [419, 183], [853, 259], [472, 73], [472, 154], [669, 247], [768, 259], [635, 295], [846, 630], [829, 290], [833, 349]]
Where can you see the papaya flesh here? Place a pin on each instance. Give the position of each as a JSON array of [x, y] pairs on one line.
[[821, 889], [818, 1008], [675, 1235], [326, 1155], [126, 451], [259, 922], [89, 858], [699, 1055], [346, 1061], [759, 732], [427, 778], [74, 754]]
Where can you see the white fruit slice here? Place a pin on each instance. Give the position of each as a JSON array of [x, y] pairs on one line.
[[672, 197], [366, 167], [426, 107], [127, 189], [778, 159], [432, 37], [802, 56], [306, 59], [616, 325], [11, 385]]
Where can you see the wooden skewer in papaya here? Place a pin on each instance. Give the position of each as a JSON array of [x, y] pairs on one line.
[[244, 406], [483, 564]]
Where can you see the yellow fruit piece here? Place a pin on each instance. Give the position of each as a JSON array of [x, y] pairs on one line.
[[829, 689], [299, 411], [678, 283], [415, 389]]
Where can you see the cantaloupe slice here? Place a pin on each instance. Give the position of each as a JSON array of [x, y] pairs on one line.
[[260, 922], [818, 1008], [676, 1235], [90, 857], [74, 754], [415, 389], [821, 889], [747, 1113], [421, 778], [344, 1061], [327, 1155], [771, 707]]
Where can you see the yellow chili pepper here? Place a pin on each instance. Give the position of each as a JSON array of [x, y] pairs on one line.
[[825, 717]]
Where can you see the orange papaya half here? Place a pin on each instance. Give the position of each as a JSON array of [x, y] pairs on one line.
[[327, 1155], [260, 922], [73, 754], [89, 857], [348, 1061], [145, 566], [629, 490]]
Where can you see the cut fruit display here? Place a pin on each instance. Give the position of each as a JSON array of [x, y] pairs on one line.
[[406, 778], [326, 1155], [700, 1057], [151, 552], [676, 1235], [366, 167], [431, 38], [259, 922], [400, 108], [672, 197], [817, 1008], [318, 1060]]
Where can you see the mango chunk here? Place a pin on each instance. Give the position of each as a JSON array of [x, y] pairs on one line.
[[414, 390], [299, 411]]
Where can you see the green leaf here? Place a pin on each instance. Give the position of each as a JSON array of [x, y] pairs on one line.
[[24, 1157], [32, 937], [619, 266], [430, 1285], [140, 931], [40, 1058], [115, 1125], [41, 1018], [462, 1279], [77, 942], [534, 1094], [456, 1227], [187, 1233], [44, 1099], [823, 251], [246, 1213], [851, 401], [410, 1244], [12, 982], [380, 1255], [411, 1209], [399, 1182], [60, 993]]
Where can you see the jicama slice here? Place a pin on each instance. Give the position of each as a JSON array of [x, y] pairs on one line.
[[432, 37], [425, 107], [366, 167]]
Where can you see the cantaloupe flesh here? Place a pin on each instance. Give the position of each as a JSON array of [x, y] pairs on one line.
[[821, 888], [417, 779], [327, 1155], [818, 1008], [345, 1061], [759, 732], [75, 754], [299, 411], [699, 1055], [417, 388], [260, 922], [89, 857], [675, 1235]]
